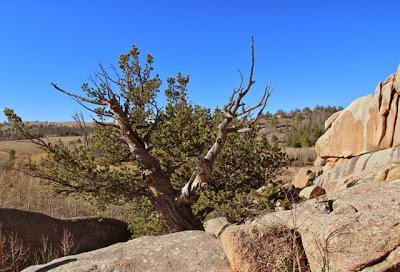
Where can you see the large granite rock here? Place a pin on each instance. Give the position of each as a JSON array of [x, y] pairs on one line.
[[189, 251], [312, 191], [368, 124], [357, 229], [362, 231], [272, 247], [34, 229]]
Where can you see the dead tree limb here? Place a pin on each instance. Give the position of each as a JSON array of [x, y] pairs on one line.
[[200, 177]]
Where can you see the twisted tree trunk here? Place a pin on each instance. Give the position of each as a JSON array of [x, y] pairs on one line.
[[174, 206]]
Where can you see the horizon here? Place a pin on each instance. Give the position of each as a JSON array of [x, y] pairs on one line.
[[315, 53]]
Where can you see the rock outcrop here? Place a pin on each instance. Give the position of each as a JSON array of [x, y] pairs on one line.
[[188, 251], [86, 233], [353, 221], [349, 172], [361, 233], [368, 124], [312, 191]]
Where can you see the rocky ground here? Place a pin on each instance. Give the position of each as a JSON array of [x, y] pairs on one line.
[[189, 251]]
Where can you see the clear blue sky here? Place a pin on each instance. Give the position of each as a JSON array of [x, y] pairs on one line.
[[316, 52]]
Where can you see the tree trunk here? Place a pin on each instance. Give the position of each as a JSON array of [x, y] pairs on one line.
[[176, 216]]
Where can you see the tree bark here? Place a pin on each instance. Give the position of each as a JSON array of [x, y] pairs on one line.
[[175, 216]]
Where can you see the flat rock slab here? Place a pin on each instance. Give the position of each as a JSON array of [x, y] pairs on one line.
[[189, 251], [349, 172]]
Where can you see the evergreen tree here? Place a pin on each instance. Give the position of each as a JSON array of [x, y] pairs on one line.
[[176, 164]]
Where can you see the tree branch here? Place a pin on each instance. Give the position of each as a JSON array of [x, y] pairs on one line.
[[81, 98], [200, 177]]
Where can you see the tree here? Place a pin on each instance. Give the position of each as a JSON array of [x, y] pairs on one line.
[[160, 145]]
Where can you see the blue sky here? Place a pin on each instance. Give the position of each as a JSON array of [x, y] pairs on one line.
[[315, 52]]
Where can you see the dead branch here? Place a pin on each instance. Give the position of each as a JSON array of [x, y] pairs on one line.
[[81, 98], [199, 179]]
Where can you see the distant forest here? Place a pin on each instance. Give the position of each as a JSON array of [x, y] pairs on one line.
[[298, 128], [45, 129]]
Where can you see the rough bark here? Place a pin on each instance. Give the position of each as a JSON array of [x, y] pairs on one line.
[[176, 217]]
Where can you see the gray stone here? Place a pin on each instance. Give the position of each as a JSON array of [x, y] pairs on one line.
[[189, 251], [216, 225], [87, 233]]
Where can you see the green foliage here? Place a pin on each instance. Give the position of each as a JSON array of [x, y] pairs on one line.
[[144, 219], [242, 181], [303, 136], [184, 134], [308, 125]]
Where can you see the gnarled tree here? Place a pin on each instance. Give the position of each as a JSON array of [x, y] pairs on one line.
[[157, 142]]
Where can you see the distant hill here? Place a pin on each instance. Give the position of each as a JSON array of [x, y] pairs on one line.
[[49, 129], [296, 128]]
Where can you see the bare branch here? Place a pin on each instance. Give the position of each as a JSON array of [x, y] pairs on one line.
[[103, 114], [200, 177], [80, 121], [268, 92], [81, 98], [104, 74], [250, 83], [235, 91], [106, 124]]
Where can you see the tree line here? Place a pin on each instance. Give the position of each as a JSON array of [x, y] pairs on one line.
[[7, 132]]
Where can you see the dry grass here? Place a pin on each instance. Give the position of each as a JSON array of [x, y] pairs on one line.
[[24, 148], [270, 248], [20, 191], [16, 255], [302, 156]]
